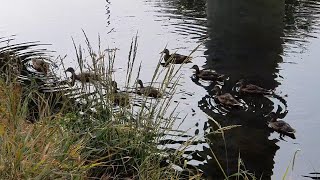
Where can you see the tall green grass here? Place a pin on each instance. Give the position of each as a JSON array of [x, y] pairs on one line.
[[90, 138]]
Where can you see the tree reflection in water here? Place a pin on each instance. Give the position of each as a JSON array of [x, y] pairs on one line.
[[245, 41]]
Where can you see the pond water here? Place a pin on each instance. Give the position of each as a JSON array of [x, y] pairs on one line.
[[273, 43]]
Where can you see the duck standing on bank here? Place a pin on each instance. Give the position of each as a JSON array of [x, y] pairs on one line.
[[251, 88], [280, 126], [225, 99], [119, 98], [175, 58], [40, 66], [148, 90], [206, 74], [82, 77]]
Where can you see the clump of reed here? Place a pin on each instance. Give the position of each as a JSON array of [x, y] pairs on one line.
[[78, 132], [86, 136]]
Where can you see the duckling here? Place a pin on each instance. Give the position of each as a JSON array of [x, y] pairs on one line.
[[82, 77], [119, 98], [175, 58], [40, 66], [251, 88], [280, 126], [148, 90], [206, 74], [225, 99]]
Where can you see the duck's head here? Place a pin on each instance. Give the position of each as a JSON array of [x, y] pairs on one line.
[[70, 69], [34, 61], [216, 90], [196, 67], [273, 116], [165, 51], [140, 82], [241, 82], [114, 86]]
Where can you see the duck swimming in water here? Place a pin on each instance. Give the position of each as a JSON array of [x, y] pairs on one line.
[[251, 88], [225, 99], [82, 77], [280, 126], [119, 98], [206, 74], [148, 90], [175, 58], [40, 66]]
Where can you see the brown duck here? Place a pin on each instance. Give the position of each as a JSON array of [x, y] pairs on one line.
[[119, 98], [175, 58], [251, 88], [82, 77], [280, 126], [40, 65], [206, 74], [148, 90], [225, 99]]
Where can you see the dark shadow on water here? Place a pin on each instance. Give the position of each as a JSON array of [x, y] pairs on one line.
[[244, 43], [246, 40]]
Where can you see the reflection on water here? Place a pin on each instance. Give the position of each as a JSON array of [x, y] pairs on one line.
[[301, 20], [244, 43], [189, 15], [246, 39]]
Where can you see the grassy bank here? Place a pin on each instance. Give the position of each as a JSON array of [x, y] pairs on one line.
[[80, 132], [92, 140], [62, 147]]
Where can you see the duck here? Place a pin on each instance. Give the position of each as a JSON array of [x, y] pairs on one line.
[[82, 77], [251, 88], [207, 74], [40, 66], [280, 126], [119, 98], [148, 90], [225, 99], [175, 58]]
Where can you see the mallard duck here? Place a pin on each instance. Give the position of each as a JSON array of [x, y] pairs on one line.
[[82, 77], [119, 98], [40, 65], [148, 90], [206, 74], [225, 99], [280, 126], [251, 88], [175, 58]]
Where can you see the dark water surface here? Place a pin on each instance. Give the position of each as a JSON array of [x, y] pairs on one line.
[[273, 43]]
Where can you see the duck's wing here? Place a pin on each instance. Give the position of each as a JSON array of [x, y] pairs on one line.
[[151, 91], [176, 55], [232, 100], [228, 99], [209, 73], [287, 128], [255, 87], [278, 125], [181, 58]]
